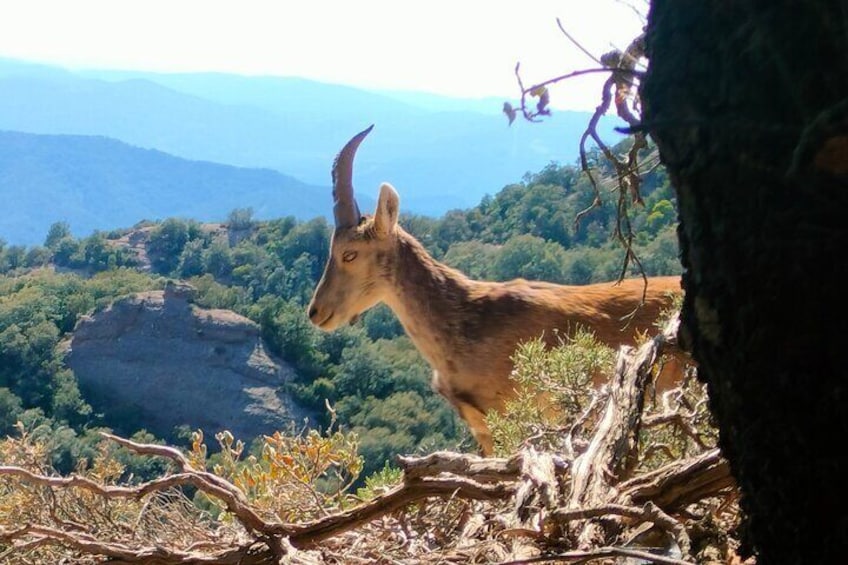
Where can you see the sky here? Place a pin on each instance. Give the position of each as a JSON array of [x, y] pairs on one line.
[[466, 48]]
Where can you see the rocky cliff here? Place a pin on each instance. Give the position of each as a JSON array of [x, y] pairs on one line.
[[159, 361]]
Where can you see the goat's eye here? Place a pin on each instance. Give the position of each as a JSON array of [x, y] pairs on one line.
[[348, 256]]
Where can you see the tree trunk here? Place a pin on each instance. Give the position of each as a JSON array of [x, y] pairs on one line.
[[748, 102]]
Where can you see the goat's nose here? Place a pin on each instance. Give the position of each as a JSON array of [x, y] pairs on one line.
[[313, 311]]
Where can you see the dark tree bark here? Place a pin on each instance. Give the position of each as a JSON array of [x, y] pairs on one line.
[[748, 102]]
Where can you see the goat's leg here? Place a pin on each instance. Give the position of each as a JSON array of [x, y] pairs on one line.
[[476, 421]]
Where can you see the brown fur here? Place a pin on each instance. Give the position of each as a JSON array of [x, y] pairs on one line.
[[467, 330]]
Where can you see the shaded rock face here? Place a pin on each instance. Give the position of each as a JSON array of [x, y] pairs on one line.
[[158, 361]]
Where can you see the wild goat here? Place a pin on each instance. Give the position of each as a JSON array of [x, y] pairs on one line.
[[466, 329]]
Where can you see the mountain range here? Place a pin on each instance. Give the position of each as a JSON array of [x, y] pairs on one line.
[[126, 140], [99, 183]]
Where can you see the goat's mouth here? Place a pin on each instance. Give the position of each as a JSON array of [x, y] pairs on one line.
[[325, 322], [330, 322]]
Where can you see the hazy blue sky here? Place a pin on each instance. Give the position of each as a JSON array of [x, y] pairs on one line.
[[458, 47]]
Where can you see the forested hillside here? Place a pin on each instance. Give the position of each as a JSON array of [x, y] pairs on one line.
[[370, 374]]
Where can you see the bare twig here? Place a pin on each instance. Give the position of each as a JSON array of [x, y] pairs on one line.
[[600, 553], [678, 419], [648, 513], [42, 535], [576, 43], [680, 483], [531, 115], [209, 483], [399, 497], [477, 468]]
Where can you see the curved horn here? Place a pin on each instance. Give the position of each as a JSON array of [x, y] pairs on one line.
[[345, 208]]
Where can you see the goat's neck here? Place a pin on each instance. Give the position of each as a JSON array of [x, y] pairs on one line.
[[426, 296]]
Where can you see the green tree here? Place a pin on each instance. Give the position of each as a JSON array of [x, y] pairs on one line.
[[57, 232], [167, 242], [381, 323], [270, 233], [580, 266], [554, 175], [191, 261], [25, 355], [37, 257], [64, 250], [452, 227], [95, 253], [217, 260], [301, 279], [423, 228], [363, 372], [240, 219], [530, 257], [474, 258], [311, 238], [10, 410], [12, 257], [662, 215], [289, 334]]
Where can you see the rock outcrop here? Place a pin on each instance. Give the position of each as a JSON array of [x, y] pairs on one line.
[[158, 360]]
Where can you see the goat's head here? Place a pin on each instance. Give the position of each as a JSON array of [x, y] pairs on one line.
[[362, 250]]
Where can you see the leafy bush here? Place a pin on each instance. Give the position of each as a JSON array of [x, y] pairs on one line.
[[564, 374], [292, 477], [168, 240], [240, 219]]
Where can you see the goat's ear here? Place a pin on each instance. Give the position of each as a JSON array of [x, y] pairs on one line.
[[386, 216]]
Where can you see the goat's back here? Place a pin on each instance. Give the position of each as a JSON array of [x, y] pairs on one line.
[[614, 312]]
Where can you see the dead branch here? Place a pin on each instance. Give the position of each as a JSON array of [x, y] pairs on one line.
[[396, 499], [539, 489], [611, 453], [540, 91], [209, 483], [108, 491], [681, 421], [601, 553], [576, 43], [650, 512], [471, 466], [117, 552], [681, 483]]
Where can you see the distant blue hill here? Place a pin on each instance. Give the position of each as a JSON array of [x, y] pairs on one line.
[[440, 152], [99, 183]]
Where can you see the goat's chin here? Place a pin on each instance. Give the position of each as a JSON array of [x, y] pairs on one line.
[[328, 324], [334, 322]]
